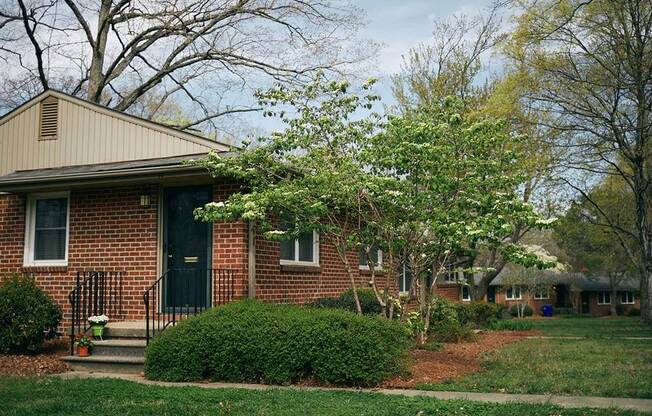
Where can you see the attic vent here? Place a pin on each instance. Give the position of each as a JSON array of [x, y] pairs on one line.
[[49, 119]]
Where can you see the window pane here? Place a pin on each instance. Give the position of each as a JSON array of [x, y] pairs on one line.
[[306, 248], [363, 257], [509, 293], [51, 213], [373, 253], [287, 250], [50, 245], [465, 293]]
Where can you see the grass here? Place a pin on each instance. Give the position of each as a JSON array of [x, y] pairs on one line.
[[53, 396], [586, 367], [593, 327]]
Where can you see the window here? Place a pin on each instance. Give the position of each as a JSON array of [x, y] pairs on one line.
[[627, 298], [404, 279], [376, 257], [513, 293], [303, 250], [46, 231], [451, 275], [604, 298], [542, 294], [466, 295]]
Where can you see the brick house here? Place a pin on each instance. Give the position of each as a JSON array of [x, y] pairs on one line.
[[98, 201], [576, 294]]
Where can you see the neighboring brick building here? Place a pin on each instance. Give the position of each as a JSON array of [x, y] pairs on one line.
[[84, 188], [575, 294]]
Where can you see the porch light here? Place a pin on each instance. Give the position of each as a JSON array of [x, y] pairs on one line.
[[145, 201]]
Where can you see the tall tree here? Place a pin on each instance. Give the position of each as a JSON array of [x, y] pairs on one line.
[[593, 60], [592, 248], [454, 64], [202, 53]]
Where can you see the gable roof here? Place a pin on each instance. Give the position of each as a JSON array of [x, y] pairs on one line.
[[195, 138]]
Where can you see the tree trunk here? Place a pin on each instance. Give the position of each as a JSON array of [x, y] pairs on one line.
[[612, 308], [96, 70]]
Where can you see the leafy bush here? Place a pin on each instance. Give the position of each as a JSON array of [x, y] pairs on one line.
[[527, 310], [443, 310], [28, 316], [368, 302], [479, 314], [634, 312], [256, 342], [450, 332], [512, 325], [502, 311]]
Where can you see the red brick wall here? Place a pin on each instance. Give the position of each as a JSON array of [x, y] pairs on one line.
[[109, 230], [449, 291], [604, 310], [298, 284]]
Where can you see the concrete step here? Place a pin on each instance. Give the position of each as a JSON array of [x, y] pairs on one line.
[[120, 347], [106, 364], [126, 329]]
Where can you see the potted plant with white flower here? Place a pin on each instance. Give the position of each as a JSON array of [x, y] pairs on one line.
[[97, 324]]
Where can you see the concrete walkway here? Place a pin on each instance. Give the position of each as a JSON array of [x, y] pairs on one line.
[[643, 405], [576, 338]]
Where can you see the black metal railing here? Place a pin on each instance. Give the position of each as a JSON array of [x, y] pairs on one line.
[[95, 293], [180, 293]]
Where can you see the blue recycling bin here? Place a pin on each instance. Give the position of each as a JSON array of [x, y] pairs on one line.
[[546, 310]]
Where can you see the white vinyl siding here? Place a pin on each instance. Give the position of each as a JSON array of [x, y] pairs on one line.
[[86, 135]]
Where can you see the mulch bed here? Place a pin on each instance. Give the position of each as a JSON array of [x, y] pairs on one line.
[[454, 359], [46, 362]]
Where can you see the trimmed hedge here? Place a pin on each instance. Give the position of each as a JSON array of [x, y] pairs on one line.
[[512, 325], [28, 316], [368, 302], [249, 341]]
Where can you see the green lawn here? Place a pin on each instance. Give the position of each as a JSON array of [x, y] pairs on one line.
[[601, 365], [53, 396], [593, 327]]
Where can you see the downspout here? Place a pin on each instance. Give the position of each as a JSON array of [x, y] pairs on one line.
[[251, 269]]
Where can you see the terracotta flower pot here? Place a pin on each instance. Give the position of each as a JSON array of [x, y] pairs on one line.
[[83, 351]]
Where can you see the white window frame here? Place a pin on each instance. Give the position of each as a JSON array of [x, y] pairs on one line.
[[404, 280], [450, 271], [602, 294], [378, 266], [520, 293], [30, 231], [622, 292], [539, 295], [466, 298], [315, 253]]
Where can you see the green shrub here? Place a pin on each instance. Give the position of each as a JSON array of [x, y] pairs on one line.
[[255, 342], [502, 311], [478, 314], [527, 310], [634, 312], [368, 302], [443, 310], [28, 316], [512, 325], [450, 332]]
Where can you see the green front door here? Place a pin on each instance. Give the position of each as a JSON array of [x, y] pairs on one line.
[[187, 248]]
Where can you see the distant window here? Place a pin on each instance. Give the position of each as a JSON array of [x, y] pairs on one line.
[[466, 295], [451, 275], [513, 293], [627, 298], [376, 257], [49, 119], [604, 298], [542, 294], [46, 231], [404, 279], [303, 250]]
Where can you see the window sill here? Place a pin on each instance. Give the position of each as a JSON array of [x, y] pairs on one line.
[[365, 270], [298, 267], [44, 268]]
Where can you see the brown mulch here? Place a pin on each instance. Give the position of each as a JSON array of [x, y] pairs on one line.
[[46, 362], [454, 359]]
